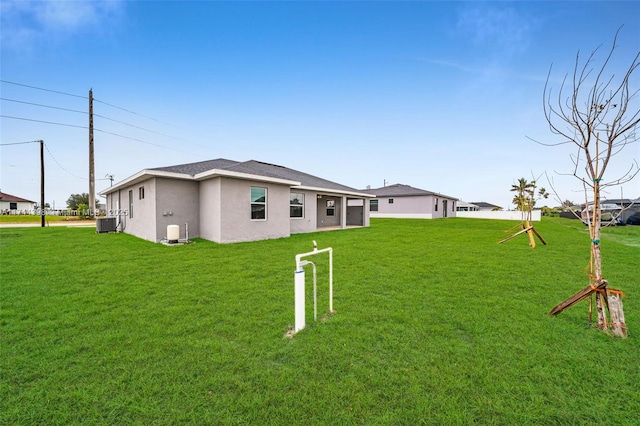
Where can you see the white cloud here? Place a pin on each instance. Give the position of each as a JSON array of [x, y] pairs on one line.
[[28, 23], [501, 29]]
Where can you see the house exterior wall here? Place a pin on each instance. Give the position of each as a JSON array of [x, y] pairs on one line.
[[164, 202], [236, 224], [176, 203], [308, 223], [324, 219], [210, 209], [25, 207], [217, 206], [356, 212], [446, 207], [135, 216], [416, 206]]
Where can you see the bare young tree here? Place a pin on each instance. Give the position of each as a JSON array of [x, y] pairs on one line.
[[599, 115]]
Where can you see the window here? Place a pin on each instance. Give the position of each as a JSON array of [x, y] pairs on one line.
[[331, 207], [296, 205], [258, 203], [390, 200], [130, 203], [13, 206], [373, 205], [141, 193], [436, 204]]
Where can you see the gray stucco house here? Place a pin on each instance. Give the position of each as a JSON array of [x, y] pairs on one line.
[[229, 201], [404, 201]]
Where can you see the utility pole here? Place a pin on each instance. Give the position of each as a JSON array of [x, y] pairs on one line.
[[42, 182], [92, 180]]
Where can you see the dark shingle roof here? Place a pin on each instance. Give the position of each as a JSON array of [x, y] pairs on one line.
[[484, 204], [257, 168], [199, 167], [400, 190], [8, 197]]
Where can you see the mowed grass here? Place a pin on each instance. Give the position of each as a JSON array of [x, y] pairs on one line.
[[32, 218], [435, 323]]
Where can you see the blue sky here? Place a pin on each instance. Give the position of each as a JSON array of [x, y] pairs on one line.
[[442, 96]]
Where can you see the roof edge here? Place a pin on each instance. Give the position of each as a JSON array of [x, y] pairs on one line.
[[335, 191], [245, 176], [143, 175]]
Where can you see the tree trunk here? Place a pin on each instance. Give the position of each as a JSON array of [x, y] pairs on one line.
[[618, 325], [596, 259]]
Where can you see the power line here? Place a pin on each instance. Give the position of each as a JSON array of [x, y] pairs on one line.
[[42, 121], [76, 96], [42, 105], [18, 143], [129, 111], [81, 97], [52, 157], [84, 127], [95, 115], [140, 128], [97, 130], [60, 165], [141, 141], [41, 88], [149, 118]]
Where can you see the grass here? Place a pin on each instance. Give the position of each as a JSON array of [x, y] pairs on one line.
[[32, 218], [436, 323]]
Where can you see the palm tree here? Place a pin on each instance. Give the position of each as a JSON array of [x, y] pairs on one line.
[[524, 194], [524, 199]]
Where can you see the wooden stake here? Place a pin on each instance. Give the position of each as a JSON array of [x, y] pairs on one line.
[[527, 230], [532, 242], [581, 295]]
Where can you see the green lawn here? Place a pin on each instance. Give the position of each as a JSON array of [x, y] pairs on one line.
[[435, 323], [33, 218]]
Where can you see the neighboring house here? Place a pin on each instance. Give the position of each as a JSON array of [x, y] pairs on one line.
[[485, 207], [463, 206], [10, 204], [404, 201], [627, 206], [229, 201]]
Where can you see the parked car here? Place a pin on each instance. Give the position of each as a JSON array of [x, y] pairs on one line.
[[609, 214], [634, 219]]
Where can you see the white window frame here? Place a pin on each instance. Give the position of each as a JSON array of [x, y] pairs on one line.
[[296, 205], [252, 203]]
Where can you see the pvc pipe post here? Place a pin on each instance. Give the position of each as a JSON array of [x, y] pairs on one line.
[[299, 300]]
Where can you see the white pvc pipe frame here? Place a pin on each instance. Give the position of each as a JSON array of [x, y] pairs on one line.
[[299, 285]]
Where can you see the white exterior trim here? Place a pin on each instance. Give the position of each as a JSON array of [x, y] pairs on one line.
[[245, 176], [333, 191], [141, 176]]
